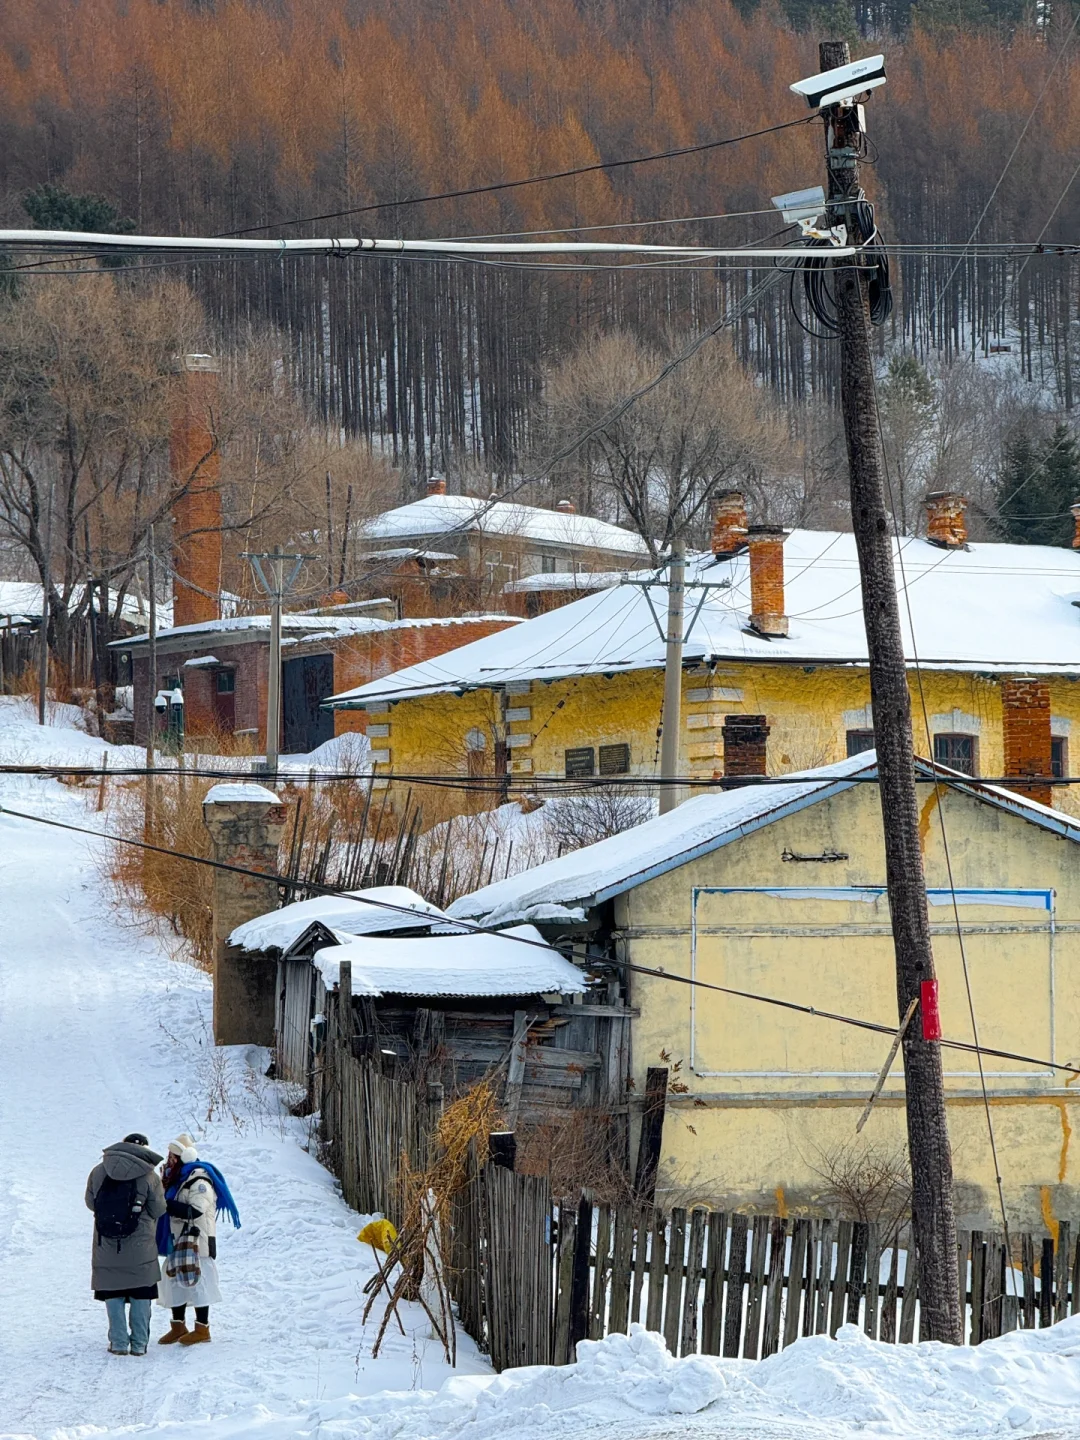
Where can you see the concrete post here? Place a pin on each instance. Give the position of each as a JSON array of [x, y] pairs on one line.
[[245, 823]]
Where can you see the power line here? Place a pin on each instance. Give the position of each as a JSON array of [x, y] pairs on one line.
[[544, 179], [470, 927]]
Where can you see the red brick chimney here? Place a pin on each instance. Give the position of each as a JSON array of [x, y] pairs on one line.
[[436, 486], [766, 544], [945, 523], [1025, 724], [566, 507], [195, 465], [745, 748], [729, 524], [1075, 509]]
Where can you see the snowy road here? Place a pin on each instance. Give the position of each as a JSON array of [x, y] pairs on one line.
[[101, 1033]]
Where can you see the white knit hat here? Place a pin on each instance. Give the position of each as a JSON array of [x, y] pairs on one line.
[[184, 1147]]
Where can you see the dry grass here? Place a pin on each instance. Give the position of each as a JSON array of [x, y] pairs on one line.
[[428, 1196], [165, 886], [574, 1153]]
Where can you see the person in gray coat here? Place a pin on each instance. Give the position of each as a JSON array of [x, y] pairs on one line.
[[126, 1196]]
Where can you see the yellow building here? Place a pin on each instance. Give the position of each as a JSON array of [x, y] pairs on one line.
[[777, 891], [775, 669]]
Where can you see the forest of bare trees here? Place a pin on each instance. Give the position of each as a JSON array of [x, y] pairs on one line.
[[224, 116]]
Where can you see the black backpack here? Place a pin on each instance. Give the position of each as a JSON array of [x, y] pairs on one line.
[[117, 1207]]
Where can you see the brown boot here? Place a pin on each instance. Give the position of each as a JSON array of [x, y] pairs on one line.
[[176, 1331], [199, 1336]]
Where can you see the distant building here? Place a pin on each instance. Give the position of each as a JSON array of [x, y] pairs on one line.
[[458, 550], [775, 673], [222, 669]]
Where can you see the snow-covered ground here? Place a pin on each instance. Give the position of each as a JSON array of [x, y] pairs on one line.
[[101, 1033]]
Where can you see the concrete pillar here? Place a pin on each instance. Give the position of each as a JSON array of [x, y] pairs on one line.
[[245, 823]]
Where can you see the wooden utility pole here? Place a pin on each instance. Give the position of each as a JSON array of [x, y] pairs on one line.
[[928, 1135], [149, 821], [276, 586], [46, 598], [672, 717]]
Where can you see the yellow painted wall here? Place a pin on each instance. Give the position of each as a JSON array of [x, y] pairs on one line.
[[809, 710], [773, 1096]]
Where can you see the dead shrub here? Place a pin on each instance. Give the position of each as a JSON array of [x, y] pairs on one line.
[[867, 1182], [579, 820], [574, 1152]]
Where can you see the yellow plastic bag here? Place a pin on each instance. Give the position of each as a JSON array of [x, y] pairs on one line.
[[378, 1233]]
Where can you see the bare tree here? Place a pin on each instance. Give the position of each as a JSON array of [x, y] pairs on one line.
[[706, 427]]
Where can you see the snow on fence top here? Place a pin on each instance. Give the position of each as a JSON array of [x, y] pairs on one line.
[[465, 965], [988, 607], [346, 914], [436, 514], [237, 792]]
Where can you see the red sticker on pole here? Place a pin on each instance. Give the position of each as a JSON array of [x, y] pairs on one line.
[[931, 1015]]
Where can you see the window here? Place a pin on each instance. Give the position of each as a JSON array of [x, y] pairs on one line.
[[580, 763], [547, 564], [1059, 757], [171, 682], [614, 759], [859, 740], [957, 751], [226, 682]]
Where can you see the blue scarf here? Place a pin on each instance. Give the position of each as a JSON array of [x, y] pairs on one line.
[[225, 1201]]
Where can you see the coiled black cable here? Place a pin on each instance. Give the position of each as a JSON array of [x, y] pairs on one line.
[[820, 299]]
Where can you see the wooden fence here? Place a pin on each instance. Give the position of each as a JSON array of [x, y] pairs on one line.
[[543, 1277], [531, 1278]]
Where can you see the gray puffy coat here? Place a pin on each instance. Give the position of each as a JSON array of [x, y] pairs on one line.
[[120, 1266]]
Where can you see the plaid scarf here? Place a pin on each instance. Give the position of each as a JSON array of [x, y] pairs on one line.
[[183, 1264]]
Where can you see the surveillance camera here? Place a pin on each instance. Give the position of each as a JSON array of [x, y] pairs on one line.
[[843, 83]]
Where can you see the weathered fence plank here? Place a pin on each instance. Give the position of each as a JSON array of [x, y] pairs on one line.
[[688, 1337], [675, 1266], [733, 1311], [712, 1316]]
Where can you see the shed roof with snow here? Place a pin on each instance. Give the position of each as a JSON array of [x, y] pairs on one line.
[[564, 890], [985, 608], [517, 961], [378, 910]]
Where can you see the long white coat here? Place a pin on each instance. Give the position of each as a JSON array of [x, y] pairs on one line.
[[198, 1192]]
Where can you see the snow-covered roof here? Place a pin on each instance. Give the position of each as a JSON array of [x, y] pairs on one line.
[[437, 514], [22, 599], [465, 965], [989, 607], [564, 580], [292, 626], [359, 912], [564, 889]]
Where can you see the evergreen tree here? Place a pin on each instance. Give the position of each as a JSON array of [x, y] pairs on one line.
[[1039, 483], [52, 207]]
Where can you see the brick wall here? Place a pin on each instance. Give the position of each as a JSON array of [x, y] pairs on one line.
[[368, 657], [745, 748], [1025, 723]]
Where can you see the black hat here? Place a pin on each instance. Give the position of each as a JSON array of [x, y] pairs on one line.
[[136, 1139]]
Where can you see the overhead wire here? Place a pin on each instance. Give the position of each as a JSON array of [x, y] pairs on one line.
[[470, 927]]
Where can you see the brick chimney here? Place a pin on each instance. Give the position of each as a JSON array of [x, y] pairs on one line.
[[1025, 724], [436, 486], [945, 523], [1075, 509], [729, 524], [766, 544], [745, 748], [195, 466], [566, 507]]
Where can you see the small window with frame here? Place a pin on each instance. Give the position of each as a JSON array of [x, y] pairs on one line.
[[859, 741], [614, 759], [1059, 757], [959, 752], [226, 682], [548, 564], [580, 762]]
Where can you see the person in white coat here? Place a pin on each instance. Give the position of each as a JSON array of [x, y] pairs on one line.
[[192, 1204]]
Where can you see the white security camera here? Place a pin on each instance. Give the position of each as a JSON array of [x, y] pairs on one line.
[[843, 83]]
